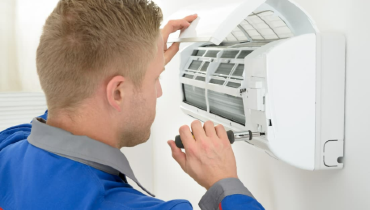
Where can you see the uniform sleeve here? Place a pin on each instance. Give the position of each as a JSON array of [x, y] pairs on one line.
[[16, 133], [183, 206], [229, 194]]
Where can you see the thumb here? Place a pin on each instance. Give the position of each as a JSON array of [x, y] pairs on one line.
[[177, 154]]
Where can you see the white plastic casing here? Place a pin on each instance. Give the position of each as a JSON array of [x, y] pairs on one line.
[[295, 90]]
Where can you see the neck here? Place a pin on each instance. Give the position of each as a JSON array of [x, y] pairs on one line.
[[85, 122]]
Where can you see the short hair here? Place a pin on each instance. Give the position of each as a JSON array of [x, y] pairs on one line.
[[86, 42]]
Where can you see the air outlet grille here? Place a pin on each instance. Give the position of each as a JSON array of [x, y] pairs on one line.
[[201, 78], [229, 54], [198, 52], [205, 66], [189, 76], [212, 53], [195, 96], [227, 106], [224, 68], [216, 81], [239, 70], [233, 84], [195, 65], [244, 54]]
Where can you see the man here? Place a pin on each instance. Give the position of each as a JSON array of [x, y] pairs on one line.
[[99, 62]]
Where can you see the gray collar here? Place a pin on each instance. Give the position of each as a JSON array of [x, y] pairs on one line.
[[81, 149]]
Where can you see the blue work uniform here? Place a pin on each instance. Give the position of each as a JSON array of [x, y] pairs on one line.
[[44, 167]]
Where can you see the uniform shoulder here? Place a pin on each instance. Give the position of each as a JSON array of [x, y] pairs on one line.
[[14, 134]]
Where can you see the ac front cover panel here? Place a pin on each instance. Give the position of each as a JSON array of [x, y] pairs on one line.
[[216, 19]]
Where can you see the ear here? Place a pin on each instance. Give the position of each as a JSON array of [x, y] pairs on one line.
[[115, 92]]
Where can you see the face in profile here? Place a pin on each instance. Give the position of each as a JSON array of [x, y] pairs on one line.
[[142, 102]]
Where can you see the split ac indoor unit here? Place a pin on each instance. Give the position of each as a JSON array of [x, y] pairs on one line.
[[262, 65]]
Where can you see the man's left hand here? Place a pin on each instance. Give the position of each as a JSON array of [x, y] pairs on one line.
[[171, 27]]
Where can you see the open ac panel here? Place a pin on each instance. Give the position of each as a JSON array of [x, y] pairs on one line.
[[263, 66]]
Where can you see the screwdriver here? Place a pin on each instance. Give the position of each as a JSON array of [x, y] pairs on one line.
[[233, 136]]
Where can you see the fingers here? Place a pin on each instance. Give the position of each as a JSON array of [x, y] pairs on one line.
[[177, 154], [171, 52], [174, 25], [191, 18], [209, 128], [221, 132], [198, 131], [186, 136]]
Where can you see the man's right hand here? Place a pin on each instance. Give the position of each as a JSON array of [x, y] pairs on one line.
[[208, 156]]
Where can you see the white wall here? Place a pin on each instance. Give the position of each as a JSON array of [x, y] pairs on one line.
[[21, 23], [30, 18], [8, 59], [275, 184]]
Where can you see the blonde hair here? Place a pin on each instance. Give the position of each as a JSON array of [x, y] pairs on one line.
[[86, 42]]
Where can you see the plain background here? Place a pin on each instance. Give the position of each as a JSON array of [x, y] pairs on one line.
[[275, 184]]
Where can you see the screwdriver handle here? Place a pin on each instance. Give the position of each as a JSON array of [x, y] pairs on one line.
[[230, 135]]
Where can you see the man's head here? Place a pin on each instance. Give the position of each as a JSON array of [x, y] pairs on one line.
[[104, 55]]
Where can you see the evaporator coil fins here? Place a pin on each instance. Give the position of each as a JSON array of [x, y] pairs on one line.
[[226, 106], [195, 96]]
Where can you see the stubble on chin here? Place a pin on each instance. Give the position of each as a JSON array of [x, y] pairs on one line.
[[132, 139]]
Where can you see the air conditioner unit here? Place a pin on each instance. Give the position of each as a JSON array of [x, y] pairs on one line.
[[262, 65]]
